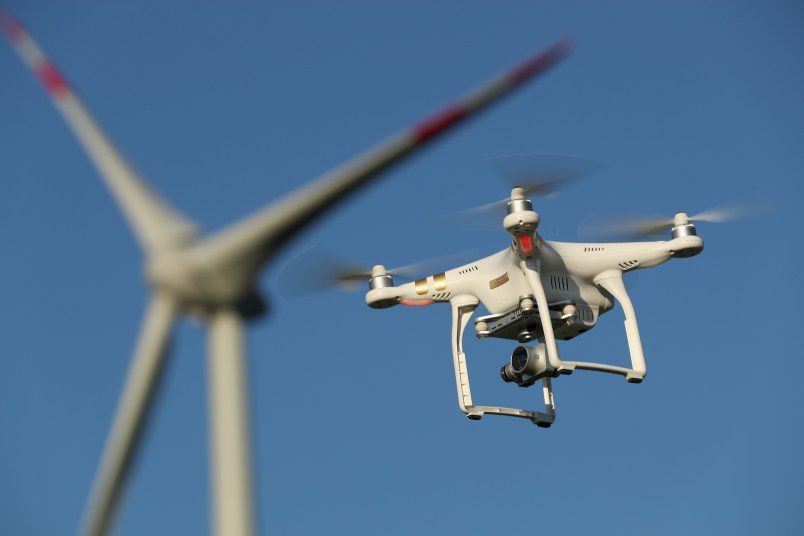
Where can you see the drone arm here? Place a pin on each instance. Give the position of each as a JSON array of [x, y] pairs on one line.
[[462, 309], [612, 281]]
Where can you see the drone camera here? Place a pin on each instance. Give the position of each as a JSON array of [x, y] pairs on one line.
[[527, 364], [508, 375]]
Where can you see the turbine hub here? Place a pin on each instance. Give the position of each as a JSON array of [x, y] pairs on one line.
[[196, 285]]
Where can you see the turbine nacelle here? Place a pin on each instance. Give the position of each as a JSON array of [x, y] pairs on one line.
[[200, 286]]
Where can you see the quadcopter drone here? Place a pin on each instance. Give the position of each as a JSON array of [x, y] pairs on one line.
[[537, 292]]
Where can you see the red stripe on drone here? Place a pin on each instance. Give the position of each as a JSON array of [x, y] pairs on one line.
[[54, 82], [437, 123]]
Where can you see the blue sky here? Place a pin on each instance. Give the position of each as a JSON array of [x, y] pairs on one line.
[[225, 107]]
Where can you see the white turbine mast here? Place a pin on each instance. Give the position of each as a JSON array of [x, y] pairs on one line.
[[215, 276]]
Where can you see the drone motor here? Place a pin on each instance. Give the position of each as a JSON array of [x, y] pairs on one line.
[[380, 278]]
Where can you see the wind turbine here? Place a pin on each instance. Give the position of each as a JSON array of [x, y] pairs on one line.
[[213, 277]]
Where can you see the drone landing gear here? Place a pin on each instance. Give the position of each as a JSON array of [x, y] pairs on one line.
[[462, 309], [612, 282]]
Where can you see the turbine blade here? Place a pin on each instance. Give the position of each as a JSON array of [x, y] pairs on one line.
[[131, 416], [155, 223], [258, 235], [229, 426]]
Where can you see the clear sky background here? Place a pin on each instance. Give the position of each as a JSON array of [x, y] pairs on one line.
[[226, 106]]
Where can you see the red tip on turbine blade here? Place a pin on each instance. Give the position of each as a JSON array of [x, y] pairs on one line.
[[541, 61], [49, 76], [11, 26], [438, 122]]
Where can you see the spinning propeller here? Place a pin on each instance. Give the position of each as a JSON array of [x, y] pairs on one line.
[[543, 175], [537, 175], [741, 209], [315, 269]]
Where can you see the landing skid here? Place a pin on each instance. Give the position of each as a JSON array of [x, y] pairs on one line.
[[462, 310]]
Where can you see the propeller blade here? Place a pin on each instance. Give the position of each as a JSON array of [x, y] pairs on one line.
[[154, 222], [543, 175], [741, 209], [230, 434], [315, 269], [540, 175], [600, 225], [131, 416], [275, 224]]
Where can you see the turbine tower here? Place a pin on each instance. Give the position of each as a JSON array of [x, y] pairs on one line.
[[213, 277]]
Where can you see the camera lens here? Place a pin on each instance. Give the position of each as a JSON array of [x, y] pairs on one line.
[[508, 375], [519, 359]]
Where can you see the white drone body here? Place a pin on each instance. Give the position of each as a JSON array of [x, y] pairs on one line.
[[537, 290]]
